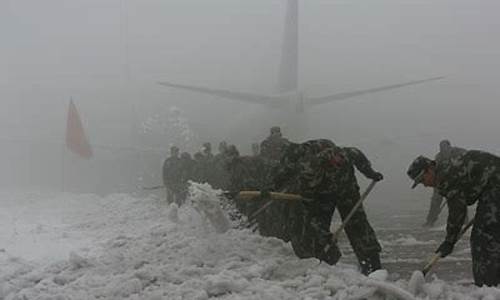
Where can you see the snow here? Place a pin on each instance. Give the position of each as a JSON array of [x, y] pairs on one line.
[[69, 246], [407, 241]]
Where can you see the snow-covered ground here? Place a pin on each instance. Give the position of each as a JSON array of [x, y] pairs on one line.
[[68, 246]]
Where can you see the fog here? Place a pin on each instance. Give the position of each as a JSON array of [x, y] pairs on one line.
[[108, 55]]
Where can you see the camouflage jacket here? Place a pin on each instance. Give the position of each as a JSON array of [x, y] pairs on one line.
[[449, 153], [273, 147], [462, 180], [248, 173], [320, 167]]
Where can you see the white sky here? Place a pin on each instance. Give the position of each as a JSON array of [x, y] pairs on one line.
[[108, 54]]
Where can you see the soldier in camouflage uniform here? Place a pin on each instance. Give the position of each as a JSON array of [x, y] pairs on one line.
[[171, 179], [203, 169], [252, 173], [255, 149], [324, 173], [246, 171], [272, 147], [199, 168], [446, 151], [473, 177], [220, 173], [207, 151], [185, 174]]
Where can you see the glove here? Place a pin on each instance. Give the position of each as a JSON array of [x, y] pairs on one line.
[[445, 248], [377, 176]]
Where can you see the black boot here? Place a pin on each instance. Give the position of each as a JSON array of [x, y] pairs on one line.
[[370, 263]]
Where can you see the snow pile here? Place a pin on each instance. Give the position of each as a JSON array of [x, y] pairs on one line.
[[205, 201], [142, 249]]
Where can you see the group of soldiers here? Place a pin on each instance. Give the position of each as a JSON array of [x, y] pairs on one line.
[[203, 166], [217, 169], [322, 174], [318, 170]]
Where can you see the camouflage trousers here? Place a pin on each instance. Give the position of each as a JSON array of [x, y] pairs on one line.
[[360, 233], [485, 239], [306, 224], [273, 221], [311, 235], [309, 227]]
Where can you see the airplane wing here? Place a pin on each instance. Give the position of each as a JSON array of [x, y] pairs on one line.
[[232, 95], [343, 96]]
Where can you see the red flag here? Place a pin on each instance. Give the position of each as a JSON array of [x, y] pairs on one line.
[[76, 141]]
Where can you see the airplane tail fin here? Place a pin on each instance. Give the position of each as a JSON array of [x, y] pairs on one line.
[[289, 73]]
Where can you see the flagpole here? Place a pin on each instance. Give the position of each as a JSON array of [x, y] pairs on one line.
[[63, 152]]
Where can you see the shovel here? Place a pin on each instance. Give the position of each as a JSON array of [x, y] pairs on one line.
[[353, 210], [149, 188], [248, 195], [417, 279], [362, 198]]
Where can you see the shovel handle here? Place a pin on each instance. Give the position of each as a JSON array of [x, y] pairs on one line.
[[248, 195], [156, 187], [353, 210], [437, 256], [431, 263]]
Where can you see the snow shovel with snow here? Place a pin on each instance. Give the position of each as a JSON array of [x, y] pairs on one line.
[[418, 277]]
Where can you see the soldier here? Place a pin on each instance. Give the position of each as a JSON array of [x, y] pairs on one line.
[[324, 173], [186, 174], [171, 172], [446, 151], [199, 168], [473, 177], [220, 173], [207, 151], [272, 147], [246, 172], [252, 173], [204, 165], [255, 149], [222, 147]]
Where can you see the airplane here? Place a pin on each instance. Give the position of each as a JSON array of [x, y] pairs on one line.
[[291, 101]]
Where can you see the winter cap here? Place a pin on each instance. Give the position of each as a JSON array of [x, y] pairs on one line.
[[275, 129], [417, 169], [174, 149]]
